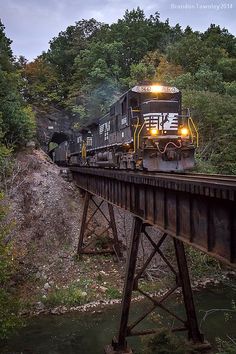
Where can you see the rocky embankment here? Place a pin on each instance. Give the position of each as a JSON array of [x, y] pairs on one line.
[[44, 207], [45, 215]]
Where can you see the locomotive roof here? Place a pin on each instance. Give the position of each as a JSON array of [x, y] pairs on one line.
[[149, 88], [145, 87], [154, 88]]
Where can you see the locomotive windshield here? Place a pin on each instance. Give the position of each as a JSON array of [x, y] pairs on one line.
[[152, 106]]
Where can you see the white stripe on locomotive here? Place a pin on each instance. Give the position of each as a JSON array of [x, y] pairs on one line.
[[161, 121]]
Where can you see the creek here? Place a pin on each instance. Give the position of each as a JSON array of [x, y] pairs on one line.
[[88, 333]]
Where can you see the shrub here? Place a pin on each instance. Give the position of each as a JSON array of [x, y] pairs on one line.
[[165, 342], [113, 293], [200, 263], [70, 296], [9, 306]]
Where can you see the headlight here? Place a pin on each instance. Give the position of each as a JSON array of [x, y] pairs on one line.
[[154, 131], [156, 88], [184, 131]]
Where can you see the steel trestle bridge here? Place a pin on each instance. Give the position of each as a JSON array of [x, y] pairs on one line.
[[196, 209]]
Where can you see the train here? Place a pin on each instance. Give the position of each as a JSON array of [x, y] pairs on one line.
[[145, 129]]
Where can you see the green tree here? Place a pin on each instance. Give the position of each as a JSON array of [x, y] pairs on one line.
[[184, 81], [42, 85], [208, 80], [140, 72], [140, 35], [214, 36], [214, 116], [230, 88], [166, 71], [133, 32], [192, 51], [204, 79], [95, 88], [16, 118], [227, 67], [67, 45], [6, 56]]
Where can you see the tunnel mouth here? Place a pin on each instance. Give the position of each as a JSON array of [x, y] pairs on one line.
[[56, 140]]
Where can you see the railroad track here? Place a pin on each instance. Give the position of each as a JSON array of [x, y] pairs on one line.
[[200, 177], [229, 180], [218, 186]]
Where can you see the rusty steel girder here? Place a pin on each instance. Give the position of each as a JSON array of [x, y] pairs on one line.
[[197, 209], [84, 248]]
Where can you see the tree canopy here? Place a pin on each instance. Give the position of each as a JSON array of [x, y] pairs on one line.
[[16, 117]]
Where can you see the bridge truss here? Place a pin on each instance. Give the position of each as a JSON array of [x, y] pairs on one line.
[[193, 209]]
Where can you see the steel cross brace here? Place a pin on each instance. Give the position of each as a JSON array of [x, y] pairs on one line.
[[111, 224], [190, 324]]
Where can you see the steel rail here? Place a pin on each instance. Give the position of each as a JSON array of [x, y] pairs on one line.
[[216, 177], [219, 186]]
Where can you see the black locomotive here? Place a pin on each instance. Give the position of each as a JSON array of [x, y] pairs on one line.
[[145, 129]]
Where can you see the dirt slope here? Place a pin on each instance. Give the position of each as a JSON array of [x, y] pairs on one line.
[[45, 208], [45, 212]]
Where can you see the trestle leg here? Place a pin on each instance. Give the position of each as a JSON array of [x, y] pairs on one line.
[[83, 222], [192, 323], [114, 231], [182, 280], [120, 345], [82, 248]]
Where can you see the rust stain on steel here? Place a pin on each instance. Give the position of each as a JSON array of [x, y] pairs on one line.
[[197, 209]]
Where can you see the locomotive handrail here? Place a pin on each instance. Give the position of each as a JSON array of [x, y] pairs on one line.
[[190, 120], [135, 131], [84, 150], [139, 134]]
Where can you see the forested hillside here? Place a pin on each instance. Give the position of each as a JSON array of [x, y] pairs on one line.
[[16, 129], [91, 63]]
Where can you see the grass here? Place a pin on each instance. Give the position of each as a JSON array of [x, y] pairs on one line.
[[226, 347], [10, 320], [103, 241], [201, 264], [152, 286], [113, 293], [71, 296], [165, 342]]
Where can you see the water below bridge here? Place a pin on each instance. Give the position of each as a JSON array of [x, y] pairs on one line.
[[87, 333]]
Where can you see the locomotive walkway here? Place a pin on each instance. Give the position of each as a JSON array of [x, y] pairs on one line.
[[196, 209]]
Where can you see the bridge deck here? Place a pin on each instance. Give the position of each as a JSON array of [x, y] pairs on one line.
[[197, 209]]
